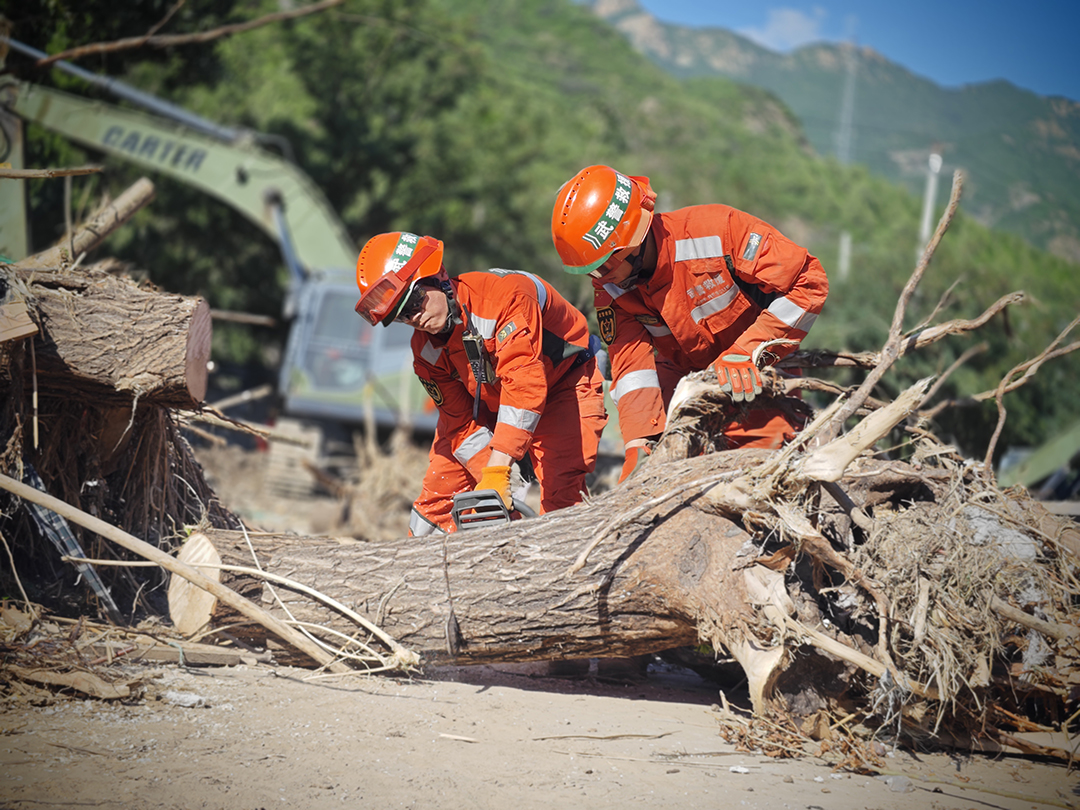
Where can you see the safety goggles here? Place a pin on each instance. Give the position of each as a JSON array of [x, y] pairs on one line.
[[380, 300], [414, 302]]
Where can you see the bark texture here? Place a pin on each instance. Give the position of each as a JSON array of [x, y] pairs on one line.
[[506, 594], [113, 341]]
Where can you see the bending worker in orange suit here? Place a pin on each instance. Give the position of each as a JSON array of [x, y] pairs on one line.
[[508, 362], [680, 291]]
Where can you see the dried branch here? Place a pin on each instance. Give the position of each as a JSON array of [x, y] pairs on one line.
[[36, 174], [967, 355], [982, 396], [1027, 369], [817, 358], [171, 40], [894, 344], [94, 232]]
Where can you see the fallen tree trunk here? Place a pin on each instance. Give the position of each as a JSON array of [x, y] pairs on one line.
[[505, 595], [918, 598]]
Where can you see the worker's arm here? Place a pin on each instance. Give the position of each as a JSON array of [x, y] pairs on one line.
[[766, 258], [635, 385]]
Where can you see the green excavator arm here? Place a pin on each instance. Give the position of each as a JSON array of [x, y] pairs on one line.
[[241, 174]]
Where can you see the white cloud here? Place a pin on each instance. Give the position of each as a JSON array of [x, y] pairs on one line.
[[787, 28]]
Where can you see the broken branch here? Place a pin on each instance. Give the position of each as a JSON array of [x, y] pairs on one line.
[[171, 40]]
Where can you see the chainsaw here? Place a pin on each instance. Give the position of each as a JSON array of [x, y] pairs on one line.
[[483, 508]]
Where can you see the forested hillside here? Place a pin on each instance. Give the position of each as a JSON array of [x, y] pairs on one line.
[[461, 118], [1021, 151]]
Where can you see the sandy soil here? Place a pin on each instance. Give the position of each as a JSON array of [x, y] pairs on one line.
[[261, 736]]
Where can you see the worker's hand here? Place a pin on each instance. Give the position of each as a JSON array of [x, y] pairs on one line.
[[737, 374], [634, 455], [498, 479]]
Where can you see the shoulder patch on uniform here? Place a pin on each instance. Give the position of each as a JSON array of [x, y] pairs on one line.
[[605, 320], [433, 389], [505, 332], [752, 245]]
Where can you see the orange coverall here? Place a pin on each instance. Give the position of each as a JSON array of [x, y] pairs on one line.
[[722, 277], [546, 398]]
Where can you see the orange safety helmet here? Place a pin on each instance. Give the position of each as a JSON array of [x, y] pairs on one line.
[[388, 268], [598, 212]]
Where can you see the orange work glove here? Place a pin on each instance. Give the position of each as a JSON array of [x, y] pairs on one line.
[[498, 479], [737, 374], [633, 456]]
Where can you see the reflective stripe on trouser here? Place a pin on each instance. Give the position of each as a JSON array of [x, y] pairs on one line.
[[563, 451], [419, 526], [445, 477]]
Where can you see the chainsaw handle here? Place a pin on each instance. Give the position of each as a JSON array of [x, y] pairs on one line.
[[482, 508]]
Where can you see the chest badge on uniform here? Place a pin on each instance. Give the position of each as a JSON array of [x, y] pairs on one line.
[[505, 332], [605, 319], [433, 389]]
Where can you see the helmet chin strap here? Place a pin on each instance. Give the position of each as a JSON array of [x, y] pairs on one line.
[[638, 275], [453, 316]]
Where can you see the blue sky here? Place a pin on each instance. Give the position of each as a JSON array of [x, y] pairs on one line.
[[1034, 45]]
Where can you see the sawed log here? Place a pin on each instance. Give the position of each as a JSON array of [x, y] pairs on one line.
[[105, 338]]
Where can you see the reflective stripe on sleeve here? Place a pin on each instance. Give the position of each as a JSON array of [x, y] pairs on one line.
[[473, 444], [541, 290], [714, 305], [485, 327], [792, 314], [519, 418], [420, 526], [634, 381], [657, 330], [704, 247]]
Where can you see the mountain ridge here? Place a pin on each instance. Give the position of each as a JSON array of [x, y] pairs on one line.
[[1020, 151]]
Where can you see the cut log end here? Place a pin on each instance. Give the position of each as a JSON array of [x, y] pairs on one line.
[[191, 607], [198, 351]]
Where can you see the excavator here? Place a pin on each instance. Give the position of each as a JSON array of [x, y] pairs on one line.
[[336, 368]]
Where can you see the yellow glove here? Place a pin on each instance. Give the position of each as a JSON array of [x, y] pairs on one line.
[[498, 479]]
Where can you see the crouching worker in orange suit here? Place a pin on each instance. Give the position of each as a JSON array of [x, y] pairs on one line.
[[682, 291], [507, 360]]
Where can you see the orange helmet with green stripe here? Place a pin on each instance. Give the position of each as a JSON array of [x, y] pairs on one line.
[[598, 212]]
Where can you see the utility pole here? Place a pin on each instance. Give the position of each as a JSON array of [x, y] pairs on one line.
[[843, 144], [933, 170]]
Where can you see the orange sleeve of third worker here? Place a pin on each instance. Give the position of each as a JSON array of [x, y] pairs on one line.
[[635, 384]]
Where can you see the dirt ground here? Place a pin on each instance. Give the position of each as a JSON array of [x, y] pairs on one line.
[[258, 736]]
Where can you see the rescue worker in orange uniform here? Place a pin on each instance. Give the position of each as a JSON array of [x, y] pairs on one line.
[[507, 360], [680, 291]]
